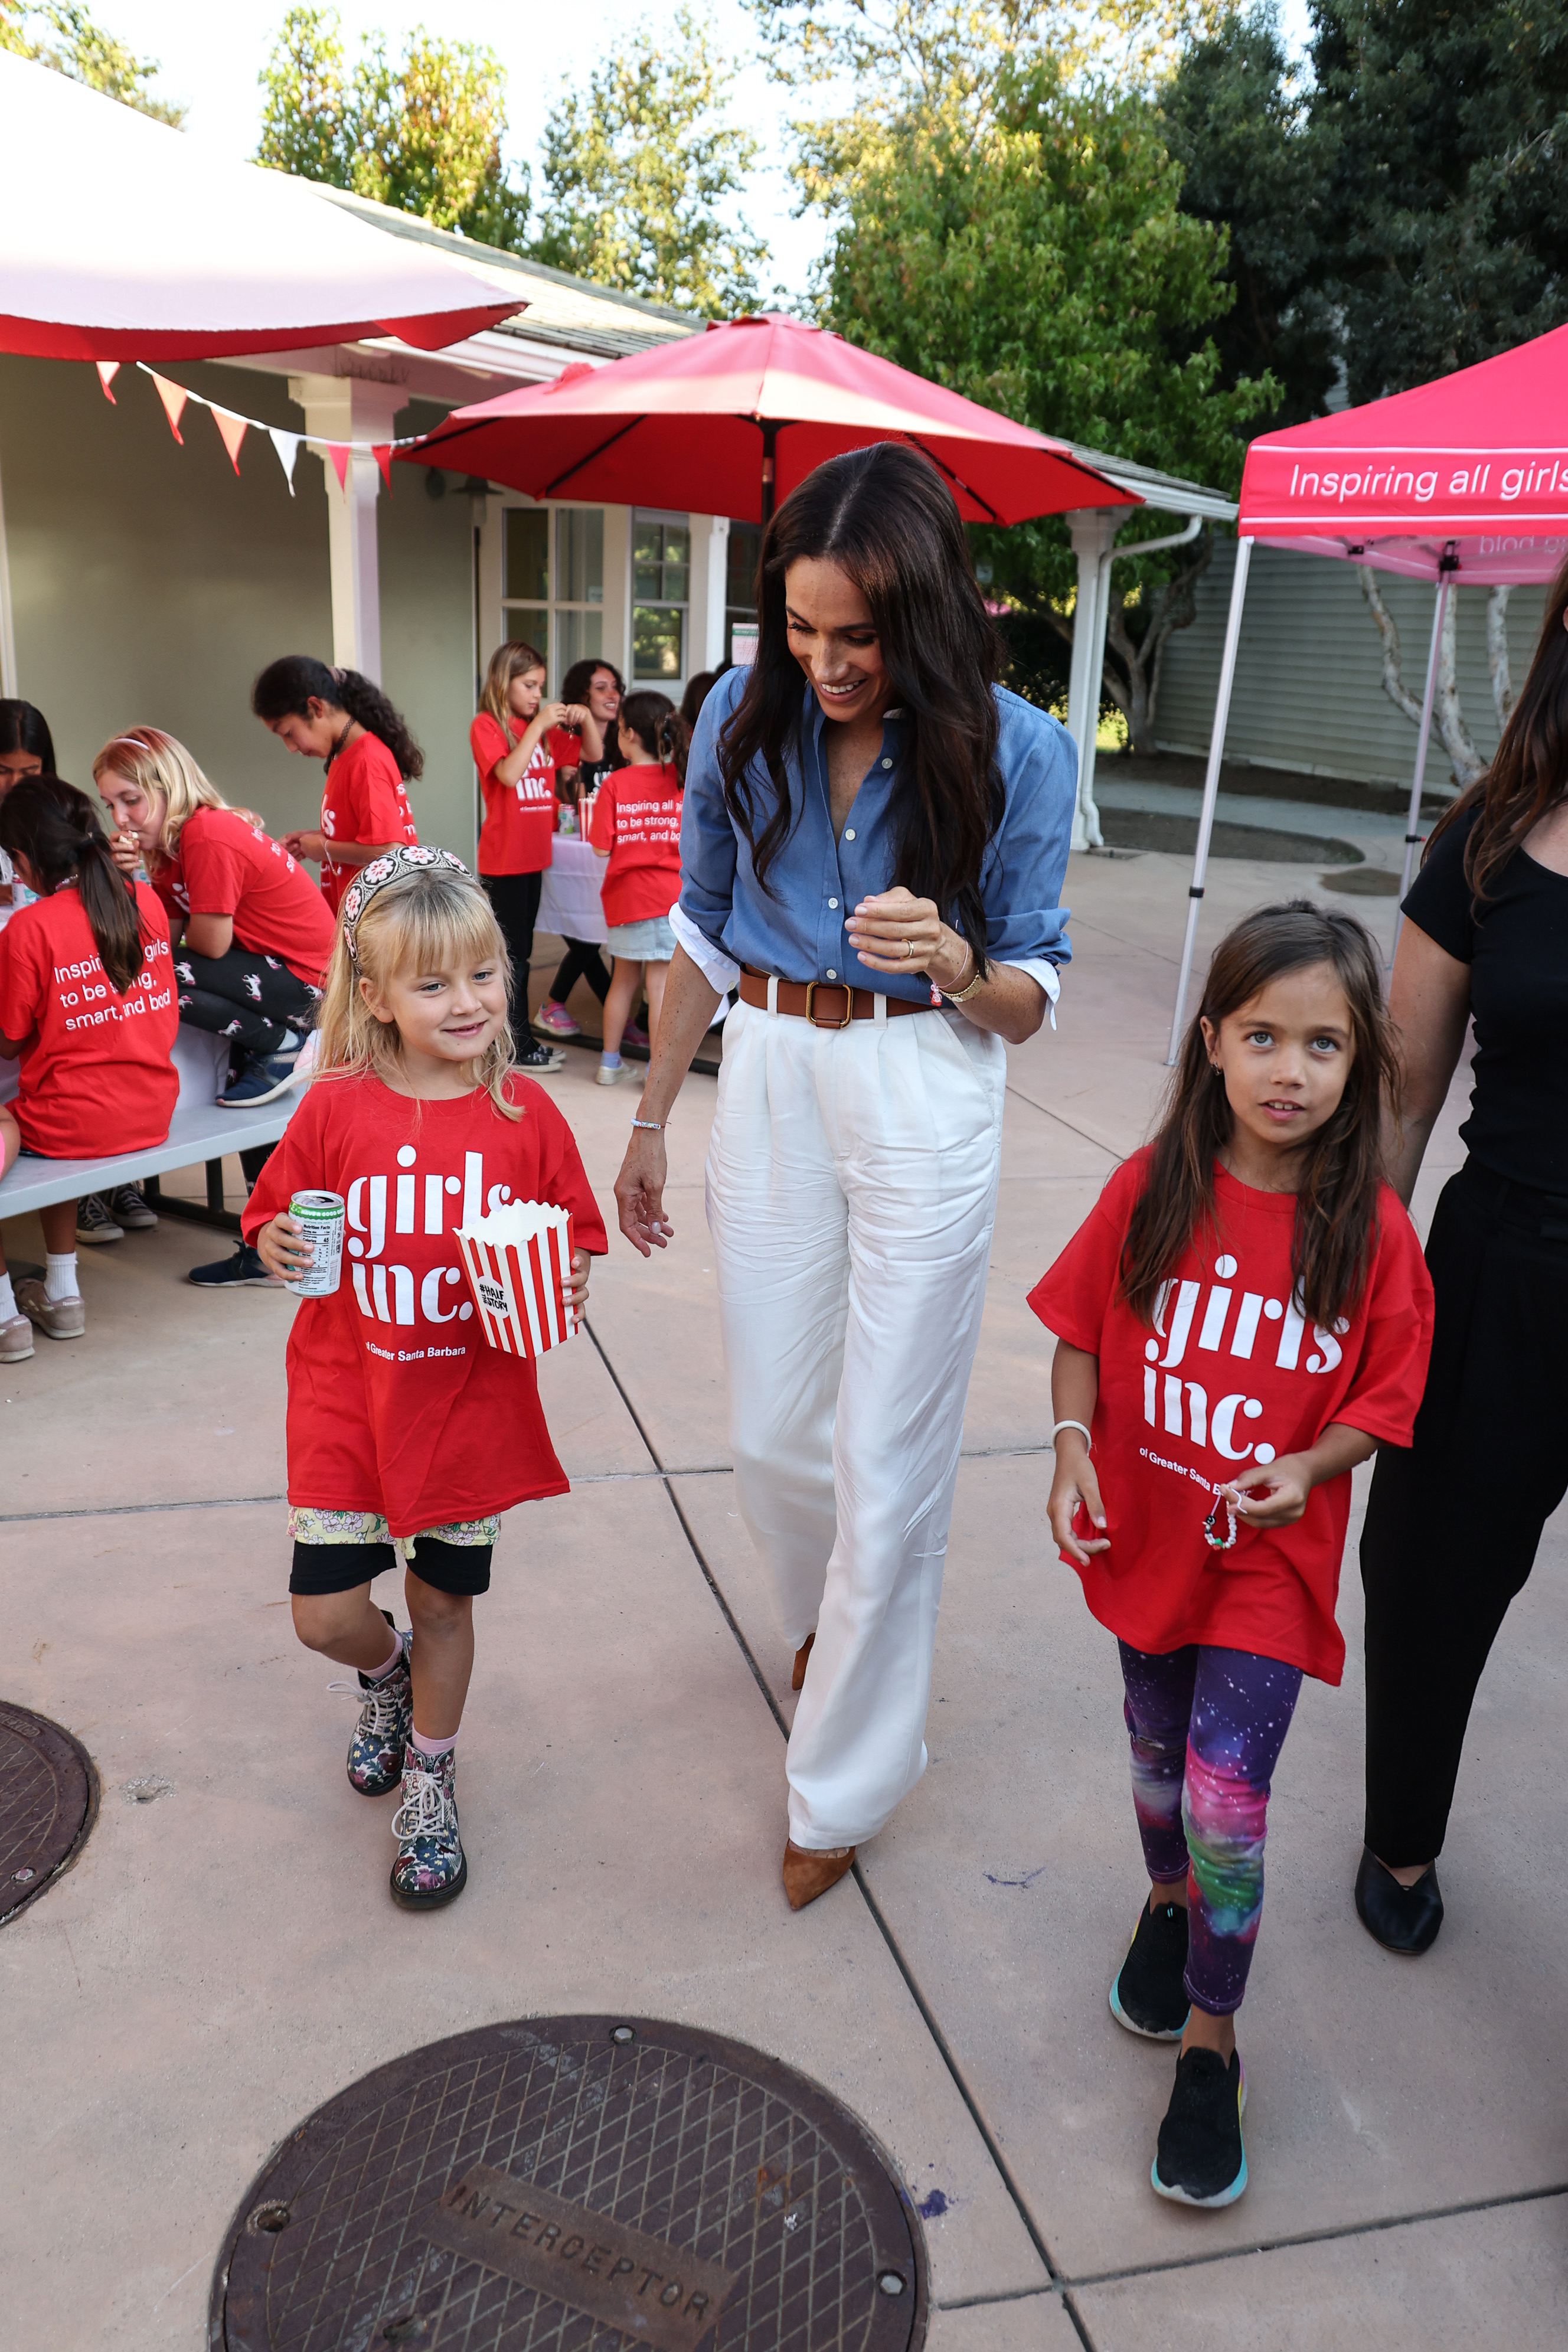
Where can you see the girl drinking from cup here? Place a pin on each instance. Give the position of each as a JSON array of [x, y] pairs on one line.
[[408, 1435], [1244, 1316], [637, 826]]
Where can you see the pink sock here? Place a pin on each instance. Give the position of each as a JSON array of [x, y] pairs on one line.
[[434, 1746], [379, 1673]]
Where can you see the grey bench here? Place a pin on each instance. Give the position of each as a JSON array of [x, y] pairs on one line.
[[198, 1132]]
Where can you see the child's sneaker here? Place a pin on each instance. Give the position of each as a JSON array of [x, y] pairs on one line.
[[431, 1868], [553, 1020], [1200, 2159], [537, 1058], [1148, 1995], [386, 1720]]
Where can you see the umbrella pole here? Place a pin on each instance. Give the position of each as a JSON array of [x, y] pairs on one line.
[[1412, 837], [1211, 787], [770, 485]]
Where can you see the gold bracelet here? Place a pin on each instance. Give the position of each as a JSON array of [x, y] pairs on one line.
[[962, 995]]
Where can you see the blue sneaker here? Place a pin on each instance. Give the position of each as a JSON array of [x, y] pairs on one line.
[[264, 1078]]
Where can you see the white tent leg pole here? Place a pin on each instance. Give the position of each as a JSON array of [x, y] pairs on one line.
[[1092, 530], [1087, 807], [1412, 836], [1211, 787]]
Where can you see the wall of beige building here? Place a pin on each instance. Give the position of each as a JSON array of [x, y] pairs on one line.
[[149, 583], [1308, 691]]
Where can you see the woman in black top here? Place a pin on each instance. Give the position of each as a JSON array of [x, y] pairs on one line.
[[1444, 1551]]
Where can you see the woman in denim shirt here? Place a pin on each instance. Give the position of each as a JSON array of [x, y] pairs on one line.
[[874, 851]]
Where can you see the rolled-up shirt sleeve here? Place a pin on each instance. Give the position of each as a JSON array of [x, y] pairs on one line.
[[1025, 866]]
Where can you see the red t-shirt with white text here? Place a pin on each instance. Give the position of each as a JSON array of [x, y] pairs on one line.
[[637, 818], [518, 835], [96, 1070], [364, 801], [1231, 1375], [222, 866], [396, 1401]]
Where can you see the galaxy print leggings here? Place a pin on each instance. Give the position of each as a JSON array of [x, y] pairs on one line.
[[1206, 1728]]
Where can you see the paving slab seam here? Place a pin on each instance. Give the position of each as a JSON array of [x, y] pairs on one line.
[[938, 2039], [1052, 2289], [1329, 2236], [122, 1510], [1097, 1141]]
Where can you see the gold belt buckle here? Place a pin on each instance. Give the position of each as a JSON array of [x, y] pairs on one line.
[[811, 988]]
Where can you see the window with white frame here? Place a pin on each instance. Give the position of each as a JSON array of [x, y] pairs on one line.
[[661, 589], [553, 582]]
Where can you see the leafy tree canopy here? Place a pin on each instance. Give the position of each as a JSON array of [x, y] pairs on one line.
[[1237, 120], [1445, 130], [66, 39], [641, 171], [423, 135]]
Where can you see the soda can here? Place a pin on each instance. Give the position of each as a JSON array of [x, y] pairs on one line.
[[322, 1215]]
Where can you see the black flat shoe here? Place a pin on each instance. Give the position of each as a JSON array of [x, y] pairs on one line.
[[1404, 1919]]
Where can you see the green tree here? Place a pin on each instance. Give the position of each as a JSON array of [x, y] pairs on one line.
[[67, 40], [1013, 230], [1237, 120], [1445, 125], [423, 135], [641, 171]]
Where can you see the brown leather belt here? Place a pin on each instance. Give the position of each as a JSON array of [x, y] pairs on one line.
[[826, 1004]]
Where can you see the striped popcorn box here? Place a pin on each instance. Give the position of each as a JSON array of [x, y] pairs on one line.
[[516, 1259]]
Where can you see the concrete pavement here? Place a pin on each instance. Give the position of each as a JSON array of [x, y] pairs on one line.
[[224, 1958]]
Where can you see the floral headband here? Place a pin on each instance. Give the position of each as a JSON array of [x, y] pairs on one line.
[[391, 867]]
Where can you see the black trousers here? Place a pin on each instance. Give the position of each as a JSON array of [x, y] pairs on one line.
[[243, 994], [515, 897], [1454, 1521], [582, 960]]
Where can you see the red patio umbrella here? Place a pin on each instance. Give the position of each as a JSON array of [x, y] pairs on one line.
[[726, 422]]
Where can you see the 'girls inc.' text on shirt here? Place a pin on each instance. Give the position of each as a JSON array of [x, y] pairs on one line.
[[88, 998]]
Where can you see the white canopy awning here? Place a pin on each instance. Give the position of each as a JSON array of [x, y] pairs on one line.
[[121, 240]]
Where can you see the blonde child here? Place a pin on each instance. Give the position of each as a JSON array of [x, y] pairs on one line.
[[405, 1430], [636, 827], [1245, 1316]]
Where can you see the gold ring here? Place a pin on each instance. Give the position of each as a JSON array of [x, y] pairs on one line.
[[909, 948]]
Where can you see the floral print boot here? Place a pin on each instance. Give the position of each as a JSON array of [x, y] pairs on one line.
[[431, 1868], [386, 1720]]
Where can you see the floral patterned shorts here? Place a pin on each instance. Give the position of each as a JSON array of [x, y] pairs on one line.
[[311, 1526]]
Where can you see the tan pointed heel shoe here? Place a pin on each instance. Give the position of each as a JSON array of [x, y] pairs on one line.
[[798, 1675], [806, 1874]]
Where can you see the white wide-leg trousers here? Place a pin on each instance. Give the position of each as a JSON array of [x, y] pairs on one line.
[[851, 1192]]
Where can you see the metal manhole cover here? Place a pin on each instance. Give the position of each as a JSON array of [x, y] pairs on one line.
[[49, 1794], [568, 2183]]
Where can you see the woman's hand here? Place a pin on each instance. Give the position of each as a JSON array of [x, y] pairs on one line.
[[895, 931], [1073, 1484], [639, 1193], [305, 845], [282, 1247], [575, 1289]]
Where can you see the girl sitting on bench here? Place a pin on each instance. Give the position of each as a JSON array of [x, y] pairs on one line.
[[87, 1004]]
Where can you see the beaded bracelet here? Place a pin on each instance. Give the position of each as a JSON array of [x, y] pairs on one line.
[[655, 1124]]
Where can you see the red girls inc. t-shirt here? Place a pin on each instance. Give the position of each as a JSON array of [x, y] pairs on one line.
[[1231, 1376], [397, 1402], [222, 866], [95, 1073], [518, 835], [363, 801], [637, 818]]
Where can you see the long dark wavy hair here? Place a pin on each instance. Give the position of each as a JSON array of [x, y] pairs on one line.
[[1342, 1165], [57, 831], [1529, 774], [288, 686], [885, 516], [24, 728]]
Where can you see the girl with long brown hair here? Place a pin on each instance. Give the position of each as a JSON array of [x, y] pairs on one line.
[[1243, 1318], [873, 840], [1485, 939]]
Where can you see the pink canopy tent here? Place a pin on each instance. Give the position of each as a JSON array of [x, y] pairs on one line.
[[1465, 480], [124, 241], [727, 421]]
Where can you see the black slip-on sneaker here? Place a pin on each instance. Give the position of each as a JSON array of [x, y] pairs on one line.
[[1200, 2159], [244, 1267], [1148, 1995], [1402, 1919]]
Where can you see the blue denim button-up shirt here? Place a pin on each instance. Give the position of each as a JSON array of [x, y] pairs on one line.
[[724, 918]]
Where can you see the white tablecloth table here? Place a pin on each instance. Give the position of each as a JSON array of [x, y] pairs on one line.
[[569, 903]]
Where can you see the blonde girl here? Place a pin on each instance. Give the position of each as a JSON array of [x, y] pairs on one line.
[[407, 1435]]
